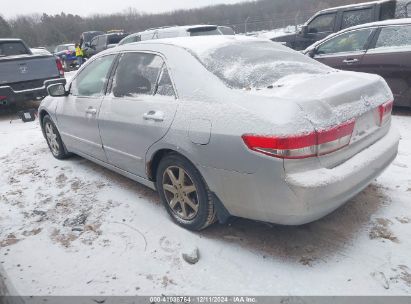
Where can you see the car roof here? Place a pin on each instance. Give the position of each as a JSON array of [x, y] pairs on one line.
[[357, 5], [197, 44], [381, 23], [180, 27]]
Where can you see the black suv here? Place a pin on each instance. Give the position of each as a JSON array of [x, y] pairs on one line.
[[103, 42]]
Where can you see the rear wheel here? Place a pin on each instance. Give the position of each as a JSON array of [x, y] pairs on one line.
[[184, 193], [53, 139]]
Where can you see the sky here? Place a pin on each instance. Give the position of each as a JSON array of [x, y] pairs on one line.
[[11, 8]]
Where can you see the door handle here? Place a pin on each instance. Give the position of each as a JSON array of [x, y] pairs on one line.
[[91, 111], [154, 115], [350, 61]]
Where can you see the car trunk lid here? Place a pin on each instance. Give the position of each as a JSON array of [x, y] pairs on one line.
[[337, 99]]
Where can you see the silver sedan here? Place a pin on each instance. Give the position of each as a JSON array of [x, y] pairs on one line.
[[226, 126]]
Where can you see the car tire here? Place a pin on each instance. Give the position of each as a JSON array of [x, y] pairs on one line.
[[53, 138], [184, 193]]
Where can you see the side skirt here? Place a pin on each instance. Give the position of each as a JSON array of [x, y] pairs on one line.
[[134, 177]]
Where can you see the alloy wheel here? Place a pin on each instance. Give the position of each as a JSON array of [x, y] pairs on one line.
[[52, 138], [180, 192]]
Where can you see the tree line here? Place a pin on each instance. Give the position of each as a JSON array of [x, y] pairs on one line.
[[50, 30]]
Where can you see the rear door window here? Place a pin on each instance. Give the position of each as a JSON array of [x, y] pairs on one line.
[[356, 17], [353, 41], [394, 37], [137, 74], [322, 23], [408, 9]]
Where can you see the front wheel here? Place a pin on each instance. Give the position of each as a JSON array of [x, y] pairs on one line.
[[53, 139], [184, 193]]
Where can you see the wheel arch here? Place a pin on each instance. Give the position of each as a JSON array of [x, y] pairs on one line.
[[151, 169]]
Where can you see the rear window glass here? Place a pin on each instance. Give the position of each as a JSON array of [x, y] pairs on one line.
[[395, 36], [246, 64], [12, 48], [204, 31], [352, 18], [114, 39], [225, 30]]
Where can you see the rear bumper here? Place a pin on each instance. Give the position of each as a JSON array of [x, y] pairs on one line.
[[321, 191], [13, 96], [303, 197]]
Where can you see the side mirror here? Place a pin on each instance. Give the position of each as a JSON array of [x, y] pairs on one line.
[[312, 52], [56, 90]]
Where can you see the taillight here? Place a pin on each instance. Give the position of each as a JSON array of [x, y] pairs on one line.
[[385, 112], [3, 97], [306, 145], [60, 67]]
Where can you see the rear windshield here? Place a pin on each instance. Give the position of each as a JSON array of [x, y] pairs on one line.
[[204, 31], [12, 48], [257, 64], [225, 30], [114, 39]]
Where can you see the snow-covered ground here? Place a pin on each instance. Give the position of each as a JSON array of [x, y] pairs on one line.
[[73, 228]]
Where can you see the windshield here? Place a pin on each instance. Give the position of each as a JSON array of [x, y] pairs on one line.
[[257, 64]]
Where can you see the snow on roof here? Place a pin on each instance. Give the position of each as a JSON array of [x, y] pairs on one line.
[[382, 23], [203, 44], [9, 39], [354, 5]]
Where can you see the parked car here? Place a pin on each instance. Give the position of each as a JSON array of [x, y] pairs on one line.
[[23, 75], [334, 19], [85, 38], [382, 48], [178, 31], [103, 42], [67, 55], [226, 126]]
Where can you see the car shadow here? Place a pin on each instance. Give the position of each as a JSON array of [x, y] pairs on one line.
[[306, 244], [310, 243]]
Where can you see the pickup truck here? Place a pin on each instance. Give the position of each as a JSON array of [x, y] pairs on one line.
[[25, 75], [334, 19]]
